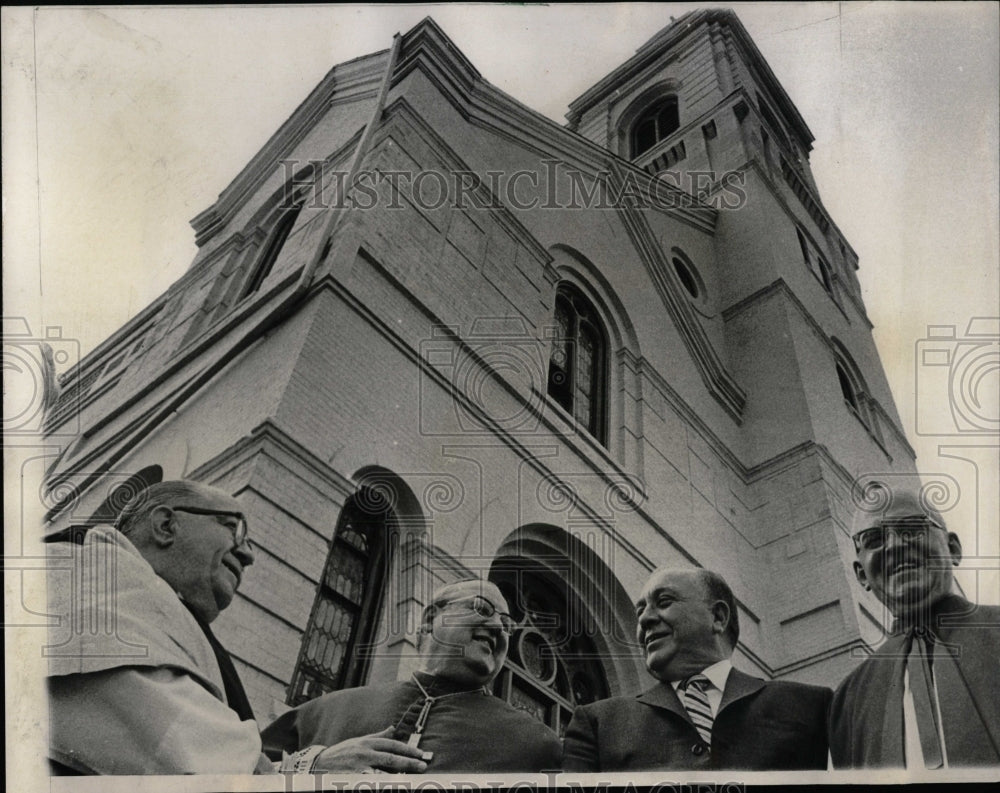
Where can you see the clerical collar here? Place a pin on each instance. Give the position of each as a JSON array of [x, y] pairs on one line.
[[930, 618], [436, 686]]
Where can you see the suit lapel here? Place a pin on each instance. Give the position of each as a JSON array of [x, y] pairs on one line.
[[886, 746], [738, 686], [664, 696], [972, 734]]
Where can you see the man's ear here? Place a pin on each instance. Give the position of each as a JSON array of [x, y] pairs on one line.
[[162, 526], [859, 573], [720, 616], [954, 548]]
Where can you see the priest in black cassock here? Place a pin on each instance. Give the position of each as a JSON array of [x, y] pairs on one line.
[[444, 714], [929, 698]]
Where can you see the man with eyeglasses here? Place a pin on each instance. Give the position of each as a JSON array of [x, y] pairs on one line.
[[444, 712], [930, 696], [137, 682]]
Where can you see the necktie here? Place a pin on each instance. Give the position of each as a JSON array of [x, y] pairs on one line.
[[922, 687], [236, 696], [696, 702]]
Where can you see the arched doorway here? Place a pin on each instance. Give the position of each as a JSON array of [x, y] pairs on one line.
[[553, 664]]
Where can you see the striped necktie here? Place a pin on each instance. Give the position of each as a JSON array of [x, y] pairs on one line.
[[696, 703]]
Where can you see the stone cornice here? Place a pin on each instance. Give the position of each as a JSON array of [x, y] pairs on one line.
[[354, 80], [428, 49], [669, 38], [489, 108], [269, 437]]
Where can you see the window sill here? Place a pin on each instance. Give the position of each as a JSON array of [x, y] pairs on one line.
[[566, 427], [868, 429]]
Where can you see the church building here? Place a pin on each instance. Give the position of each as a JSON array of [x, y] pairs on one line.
[[431, 334]]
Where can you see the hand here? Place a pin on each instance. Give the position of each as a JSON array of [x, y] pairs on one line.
[[378, 752]]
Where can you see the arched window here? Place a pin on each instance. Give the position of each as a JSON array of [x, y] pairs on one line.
[[822, 269], [577, 365], [852, 386], [343, 618], [271, 250], [552, 665], [655, 124], [824, 274], [848, 389]]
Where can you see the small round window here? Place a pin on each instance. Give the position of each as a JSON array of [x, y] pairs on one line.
[[688, 277]]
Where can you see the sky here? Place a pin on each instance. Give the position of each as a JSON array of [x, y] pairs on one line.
[[122, 124]]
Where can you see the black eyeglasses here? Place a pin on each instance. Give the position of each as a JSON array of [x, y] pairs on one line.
[[906, 530], [239, 530], [485, 609]]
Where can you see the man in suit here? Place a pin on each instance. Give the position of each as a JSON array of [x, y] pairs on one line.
[[930, 696], [445, 712], [702, 714]]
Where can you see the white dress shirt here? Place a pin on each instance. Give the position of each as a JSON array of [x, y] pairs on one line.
[[717, 674]]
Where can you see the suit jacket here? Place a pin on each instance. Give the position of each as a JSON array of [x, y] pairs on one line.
[[866, 720], [760, 725]]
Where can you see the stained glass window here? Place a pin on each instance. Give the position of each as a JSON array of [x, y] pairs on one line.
[[577, 362], [552, 664], [347, 603]]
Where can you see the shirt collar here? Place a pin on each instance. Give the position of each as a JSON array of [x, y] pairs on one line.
[[717, 674], [930, 618]]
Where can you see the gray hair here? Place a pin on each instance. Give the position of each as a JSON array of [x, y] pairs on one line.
[[717, 589]]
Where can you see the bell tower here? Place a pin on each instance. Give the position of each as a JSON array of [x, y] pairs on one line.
[[697, 97], [698, 107]]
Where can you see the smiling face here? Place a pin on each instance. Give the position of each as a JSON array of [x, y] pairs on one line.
[[462, 644], [905, 557], [681, 629], [207, 564]]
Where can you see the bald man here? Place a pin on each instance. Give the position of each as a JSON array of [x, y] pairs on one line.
[[929, 698], [444, 712], [702, 714], [137, 682]]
